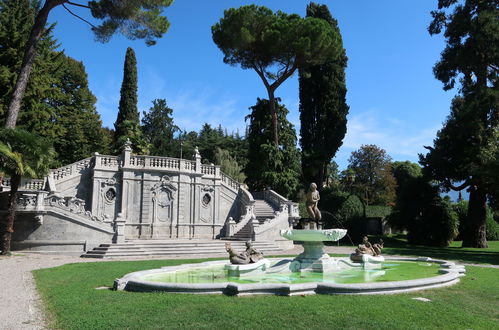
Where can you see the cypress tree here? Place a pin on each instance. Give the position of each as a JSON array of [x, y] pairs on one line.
[[323, 107], [127, 122]]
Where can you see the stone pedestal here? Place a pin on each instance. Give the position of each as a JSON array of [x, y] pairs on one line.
[[313, 259]]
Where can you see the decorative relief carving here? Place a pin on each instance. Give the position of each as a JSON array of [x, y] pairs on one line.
[[206, 212], [71, 204], [26, 201], [163, 196]]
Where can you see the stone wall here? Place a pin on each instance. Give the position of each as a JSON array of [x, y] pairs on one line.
[[77, 206]]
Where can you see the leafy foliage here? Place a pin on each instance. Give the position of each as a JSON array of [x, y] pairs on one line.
[[132, 18], [492, 227], [373, 179], [465, 150], [323, 107], [429, 219], [58, 104], [76, 121], [229, 165], [158, 129], [16, 21], [268, 164], [22, 154]]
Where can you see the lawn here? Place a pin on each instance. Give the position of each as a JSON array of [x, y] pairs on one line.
[[397, 245], [73, 303]]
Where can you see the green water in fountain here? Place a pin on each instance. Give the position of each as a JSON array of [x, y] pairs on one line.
[[390, 271]]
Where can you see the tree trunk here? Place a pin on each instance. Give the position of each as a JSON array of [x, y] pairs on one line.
[[28, 60], [15, 181], [273, 113], [476, 219]]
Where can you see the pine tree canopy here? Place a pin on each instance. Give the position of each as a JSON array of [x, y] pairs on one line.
[[274, 45]]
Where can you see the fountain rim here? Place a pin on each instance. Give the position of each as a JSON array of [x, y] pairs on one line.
[[450, 274]]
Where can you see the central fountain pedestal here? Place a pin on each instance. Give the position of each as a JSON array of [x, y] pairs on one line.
[[313, 258]]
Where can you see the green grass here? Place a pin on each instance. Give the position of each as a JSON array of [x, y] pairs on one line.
[[397, 245], [73, 303]]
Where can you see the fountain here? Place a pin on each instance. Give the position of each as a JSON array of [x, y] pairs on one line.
[[312, 272]]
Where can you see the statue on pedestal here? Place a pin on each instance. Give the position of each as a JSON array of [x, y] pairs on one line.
[[312, 203]]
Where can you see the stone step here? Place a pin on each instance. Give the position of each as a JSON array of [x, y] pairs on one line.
[[169, 248]]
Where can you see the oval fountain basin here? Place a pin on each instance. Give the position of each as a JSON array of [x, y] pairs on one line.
[[397, 275], [306, 235]]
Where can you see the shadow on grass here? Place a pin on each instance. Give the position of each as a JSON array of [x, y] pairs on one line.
[[397, 245]]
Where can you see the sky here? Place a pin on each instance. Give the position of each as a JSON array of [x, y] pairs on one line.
[[395, 101]]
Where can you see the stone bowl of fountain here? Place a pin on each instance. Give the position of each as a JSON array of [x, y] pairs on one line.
[[313, 258]]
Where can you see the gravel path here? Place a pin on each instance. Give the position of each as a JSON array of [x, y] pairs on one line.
[[20, 304]]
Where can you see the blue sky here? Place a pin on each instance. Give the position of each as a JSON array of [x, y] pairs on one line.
[[395, 102]]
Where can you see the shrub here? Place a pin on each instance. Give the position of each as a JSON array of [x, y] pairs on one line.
[[436, 225], [343, 210], [492, 227]]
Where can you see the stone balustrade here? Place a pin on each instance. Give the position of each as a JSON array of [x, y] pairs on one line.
[[231, 183], [71, 169], [26, 184]]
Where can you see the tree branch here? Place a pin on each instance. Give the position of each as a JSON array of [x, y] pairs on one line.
[[77, 4], [465, 184], [81, 18], [285, 76], [260, 72]]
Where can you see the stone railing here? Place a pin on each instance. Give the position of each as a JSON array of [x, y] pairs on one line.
[[152, 162], [231, 183], [26, 184], [33, 184], [105, 161], [279, 202], [71, 169], [247, 210]]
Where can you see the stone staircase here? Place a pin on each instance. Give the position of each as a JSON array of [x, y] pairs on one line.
[[160, 248], [263, 210]]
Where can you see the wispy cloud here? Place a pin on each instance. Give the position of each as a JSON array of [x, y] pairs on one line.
[[397, 136]]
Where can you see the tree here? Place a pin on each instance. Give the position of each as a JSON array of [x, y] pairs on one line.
[[79, 127], [57, 104], [127, 123], [22, 154], [16, 20], [323, 107], [268, 164], [229, 165], [136, 19], [158, 129], [373, 178], [258, 39], [465, 150]]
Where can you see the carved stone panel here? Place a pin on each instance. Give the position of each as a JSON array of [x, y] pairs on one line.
[[206, 200], [163, 200]]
